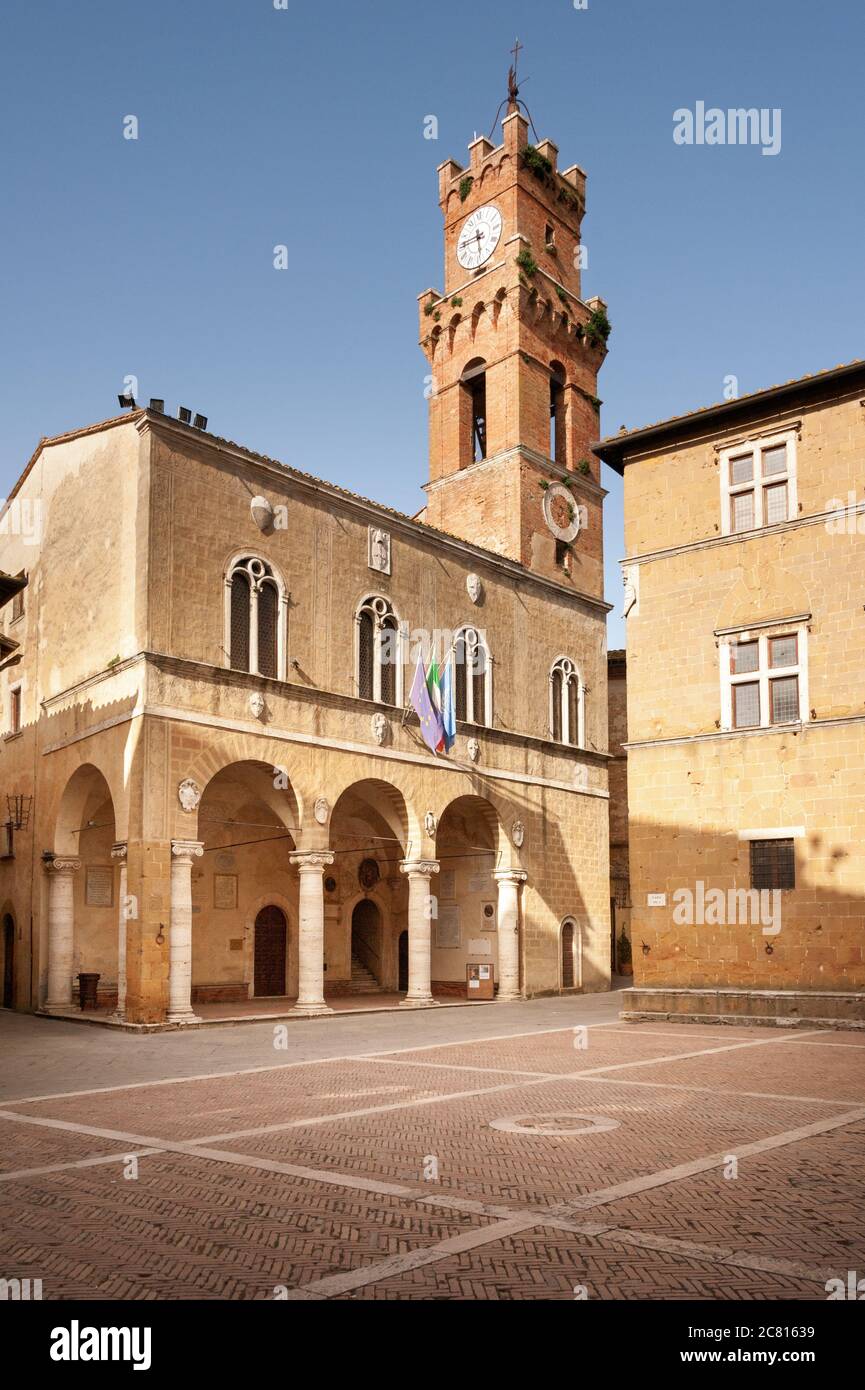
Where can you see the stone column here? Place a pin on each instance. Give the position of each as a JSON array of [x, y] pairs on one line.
[[61, 932], [419, 872], [508, 930], [118, 852], [183, 852], [310, 951]]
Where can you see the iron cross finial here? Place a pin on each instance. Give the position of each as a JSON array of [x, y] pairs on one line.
[[513, 89]]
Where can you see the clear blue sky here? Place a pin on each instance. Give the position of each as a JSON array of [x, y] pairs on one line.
[[305, 127]]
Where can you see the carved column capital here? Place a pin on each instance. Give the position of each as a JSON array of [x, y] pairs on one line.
[[118, 850], [422, 868], [62, 865], [184, 851], [516, 876], [312, 861]]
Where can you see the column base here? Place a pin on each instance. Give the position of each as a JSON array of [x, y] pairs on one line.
[[310, 1010], [56, 1008], [419, 1003], [508, 998], [182, 1017]]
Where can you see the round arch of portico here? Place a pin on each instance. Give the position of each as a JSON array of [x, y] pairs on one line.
[[274, 762], [494, 817], [66, 816], [389, 797]]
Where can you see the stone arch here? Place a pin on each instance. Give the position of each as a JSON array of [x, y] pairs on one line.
[[248, 828], [79, 796], [270, 756], [384, 799], [82, 909], [372, 829], [474, 823]]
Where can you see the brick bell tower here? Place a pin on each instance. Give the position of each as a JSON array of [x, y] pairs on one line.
[[514, 355]]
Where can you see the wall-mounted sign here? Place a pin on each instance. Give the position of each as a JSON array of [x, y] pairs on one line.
[[657, 900], [99, 886], [225, 890]]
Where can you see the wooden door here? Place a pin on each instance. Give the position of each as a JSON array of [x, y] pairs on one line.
[[403, 960], [270, 948], [8, 963]]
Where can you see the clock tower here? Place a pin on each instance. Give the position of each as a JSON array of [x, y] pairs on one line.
[[514, 353]]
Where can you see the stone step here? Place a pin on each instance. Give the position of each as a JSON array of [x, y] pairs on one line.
[[786, 1008], [362, 979]]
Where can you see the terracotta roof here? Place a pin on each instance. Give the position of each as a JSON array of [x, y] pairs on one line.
[[613, 448]]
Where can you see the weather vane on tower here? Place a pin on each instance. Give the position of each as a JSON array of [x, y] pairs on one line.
[[513, 96]]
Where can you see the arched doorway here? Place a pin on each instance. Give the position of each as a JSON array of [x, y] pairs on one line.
[[83, 919], [366, 945], [571, 955], [464, 928], [245, 887], [270, 951], [8, 962], [366, 905]]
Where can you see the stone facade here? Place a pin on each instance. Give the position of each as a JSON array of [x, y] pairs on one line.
[[717, 777], [183, 807], [620, 874]]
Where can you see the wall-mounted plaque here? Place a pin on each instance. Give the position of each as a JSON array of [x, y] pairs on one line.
[[488, 917], [99, 886], [225, 890], [447, 884], [447, 932]]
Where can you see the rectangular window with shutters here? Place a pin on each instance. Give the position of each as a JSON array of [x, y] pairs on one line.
[[773, 864], [758, 483], [764, 679]]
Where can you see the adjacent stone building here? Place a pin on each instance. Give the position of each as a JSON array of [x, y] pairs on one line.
[[207, 718], [620, 872], [744, 534]]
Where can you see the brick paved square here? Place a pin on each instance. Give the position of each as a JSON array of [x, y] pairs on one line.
[[470, 1167]]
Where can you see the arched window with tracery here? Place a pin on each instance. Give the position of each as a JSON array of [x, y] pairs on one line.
[[567, 704], [379, 652], [473, 678], [254, 618]]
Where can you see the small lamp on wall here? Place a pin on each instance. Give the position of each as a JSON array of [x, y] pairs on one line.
[[19, 810]]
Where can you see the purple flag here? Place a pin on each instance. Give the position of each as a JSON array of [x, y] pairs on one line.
[[430, 719]]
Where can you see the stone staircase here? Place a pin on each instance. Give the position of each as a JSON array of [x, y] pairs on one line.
[[362, 980]]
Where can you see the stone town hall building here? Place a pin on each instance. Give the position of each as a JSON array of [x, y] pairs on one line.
[[214, 790]]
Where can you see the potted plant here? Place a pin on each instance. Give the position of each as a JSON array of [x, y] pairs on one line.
[[625, 966]]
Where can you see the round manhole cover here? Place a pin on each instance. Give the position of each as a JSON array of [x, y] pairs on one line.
[[555, 1124]]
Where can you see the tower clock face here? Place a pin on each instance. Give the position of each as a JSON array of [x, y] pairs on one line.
[[479, 237]]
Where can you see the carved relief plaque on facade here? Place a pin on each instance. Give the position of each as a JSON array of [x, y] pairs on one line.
[[378, 723], [189, 794], [379, 550]]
